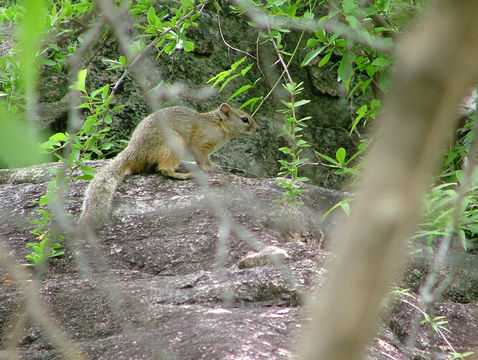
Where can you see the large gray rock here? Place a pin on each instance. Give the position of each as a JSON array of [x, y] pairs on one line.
[[163, 279]]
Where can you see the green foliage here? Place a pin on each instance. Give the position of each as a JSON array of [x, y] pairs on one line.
[[360, 50], [343, 165], [235, 71], [89, 141], [19, 69], [361, 41], [447, 211], [292, 131], [167, 25], [437, 323], [43, 250], [366, 111], [342, 204], [455, 355], [36, 20], [83, 144], [45, 247]]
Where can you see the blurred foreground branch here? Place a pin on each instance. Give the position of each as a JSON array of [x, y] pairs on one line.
[[436, 64], [36, 310]]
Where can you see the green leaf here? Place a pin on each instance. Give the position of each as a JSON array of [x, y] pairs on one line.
[[345, 70], [375, 104], [123, 61], [370, 70], [56, 253], [188, 46], [80, 83], [169, 47], [460, 175], [343, 204], [95, 92], [325, 59], [108, 119], [104, 91], [239, 91], [301, 103], [89, 125], [250, 102], [287, 104], [361, 112], [340, 156], [238, 62], [365, 85], [59, 137], [381, 62], [43, 200], [381, 29], [311, 43], [151, 15], [328, 158], [88, 171], [245, 70], [48, 62], [311, 56], [117, 107], [227, 81], [292, 10], [83, 106], [286, 150]]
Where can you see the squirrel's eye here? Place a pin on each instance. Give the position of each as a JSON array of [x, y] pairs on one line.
[[245, 119]]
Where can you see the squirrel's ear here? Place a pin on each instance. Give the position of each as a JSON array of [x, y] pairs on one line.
[[225, 109]]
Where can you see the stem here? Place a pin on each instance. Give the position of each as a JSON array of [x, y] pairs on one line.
[[282, 74]]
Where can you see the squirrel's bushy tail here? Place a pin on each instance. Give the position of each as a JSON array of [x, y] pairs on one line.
[[99, 194]]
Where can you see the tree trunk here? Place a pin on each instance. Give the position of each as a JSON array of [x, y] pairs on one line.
[[436, 64]]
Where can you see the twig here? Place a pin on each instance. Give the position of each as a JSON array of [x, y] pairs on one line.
[[257, 59], [423, 313], [227, 44], [281, 75], [281, 59]]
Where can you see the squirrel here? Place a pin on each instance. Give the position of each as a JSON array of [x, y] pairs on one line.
[[159, 142]]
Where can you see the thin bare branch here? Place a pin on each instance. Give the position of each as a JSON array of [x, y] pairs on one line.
[[227, 44]]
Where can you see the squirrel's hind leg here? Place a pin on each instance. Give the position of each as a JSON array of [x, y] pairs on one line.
[[168, 165], [176, 175]]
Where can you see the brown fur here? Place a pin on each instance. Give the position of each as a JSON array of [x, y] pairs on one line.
[[159, 142]]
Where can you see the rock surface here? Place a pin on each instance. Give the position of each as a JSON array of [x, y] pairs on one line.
[[163, 279]]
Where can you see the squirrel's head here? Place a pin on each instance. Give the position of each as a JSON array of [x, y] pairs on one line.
[[237, 121]]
